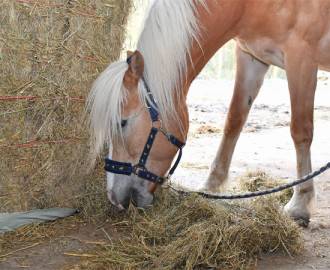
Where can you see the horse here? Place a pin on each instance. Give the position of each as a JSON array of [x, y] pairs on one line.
[[178, 39]]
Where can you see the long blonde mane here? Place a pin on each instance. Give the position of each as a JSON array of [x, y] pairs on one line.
[[171, 27]]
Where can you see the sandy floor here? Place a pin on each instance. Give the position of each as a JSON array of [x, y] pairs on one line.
[[265, 145], [265, 142]]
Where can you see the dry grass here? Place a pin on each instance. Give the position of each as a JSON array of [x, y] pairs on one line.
[[193, 233], [50, 53], [259, 180]]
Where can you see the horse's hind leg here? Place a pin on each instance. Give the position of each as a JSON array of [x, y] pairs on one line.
[[249, 78], [302, 79]]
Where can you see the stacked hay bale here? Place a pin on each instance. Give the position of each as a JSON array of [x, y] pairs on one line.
[[50, 53]]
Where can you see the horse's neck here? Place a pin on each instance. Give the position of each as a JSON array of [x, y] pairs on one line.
[[219, 24]]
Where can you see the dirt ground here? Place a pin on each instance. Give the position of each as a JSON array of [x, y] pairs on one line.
[[264, 145]]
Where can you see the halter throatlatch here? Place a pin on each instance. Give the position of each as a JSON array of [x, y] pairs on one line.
[[140, 169]]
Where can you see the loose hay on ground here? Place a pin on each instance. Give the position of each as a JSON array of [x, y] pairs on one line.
[[193, 233], [259, 180]]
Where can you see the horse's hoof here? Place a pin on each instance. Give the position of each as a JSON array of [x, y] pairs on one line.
[[300, 209], [302, 221]]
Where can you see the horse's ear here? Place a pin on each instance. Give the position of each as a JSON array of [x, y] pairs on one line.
[[136, 63]]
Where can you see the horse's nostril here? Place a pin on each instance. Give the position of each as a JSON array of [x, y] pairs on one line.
[[142, 200], [122, 205], [125, 203], [112, 197], [134, 198]]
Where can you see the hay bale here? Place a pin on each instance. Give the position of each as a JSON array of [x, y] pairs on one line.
[[194, 233], [259, 180], [50, 53]]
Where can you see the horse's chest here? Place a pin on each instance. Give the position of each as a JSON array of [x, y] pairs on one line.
[[268, 52], [264, 50]]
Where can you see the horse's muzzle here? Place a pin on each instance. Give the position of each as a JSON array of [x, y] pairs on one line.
[[139, 199]]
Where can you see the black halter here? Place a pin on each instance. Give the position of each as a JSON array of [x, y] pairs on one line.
[[140, 169]]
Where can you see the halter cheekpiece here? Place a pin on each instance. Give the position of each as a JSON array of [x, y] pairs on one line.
[[140, 169]]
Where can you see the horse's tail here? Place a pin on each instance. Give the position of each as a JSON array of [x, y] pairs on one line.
[[104, 107]]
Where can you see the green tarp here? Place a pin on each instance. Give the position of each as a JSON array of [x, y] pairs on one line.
[[12, 221]]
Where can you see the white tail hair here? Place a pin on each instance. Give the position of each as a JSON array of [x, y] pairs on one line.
[[165, 42]]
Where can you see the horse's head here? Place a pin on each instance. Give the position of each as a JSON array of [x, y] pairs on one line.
[[142, 152]]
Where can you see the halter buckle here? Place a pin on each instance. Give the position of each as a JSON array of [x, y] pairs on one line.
[[137, 169], [167, 181], [157, 124]]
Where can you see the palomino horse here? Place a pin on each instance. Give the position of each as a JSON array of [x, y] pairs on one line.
[[178, 39]]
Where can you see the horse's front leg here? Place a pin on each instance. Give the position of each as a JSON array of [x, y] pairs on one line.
[[302, 78], [249, 78]]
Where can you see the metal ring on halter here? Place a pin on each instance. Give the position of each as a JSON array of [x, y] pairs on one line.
[[160, 126]]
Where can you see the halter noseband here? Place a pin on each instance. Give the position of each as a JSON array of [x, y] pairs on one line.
[[140, 169]]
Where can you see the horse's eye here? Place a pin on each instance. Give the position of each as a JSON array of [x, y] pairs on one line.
[[123, 123]]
